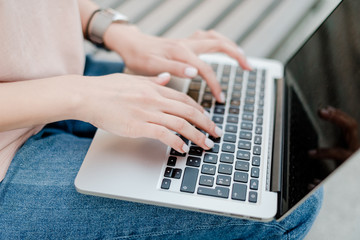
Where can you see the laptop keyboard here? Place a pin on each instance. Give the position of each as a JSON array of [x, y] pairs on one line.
[[231, 169]]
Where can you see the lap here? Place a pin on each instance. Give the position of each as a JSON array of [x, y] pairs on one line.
[[38, 198]]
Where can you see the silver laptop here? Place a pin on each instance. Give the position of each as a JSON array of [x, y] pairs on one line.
[[263, 166]]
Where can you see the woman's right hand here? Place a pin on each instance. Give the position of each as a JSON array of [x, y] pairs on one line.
[[135, 106]]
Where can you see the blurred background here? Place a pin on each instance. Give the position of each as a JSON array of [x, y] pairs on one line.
[[263, 28]]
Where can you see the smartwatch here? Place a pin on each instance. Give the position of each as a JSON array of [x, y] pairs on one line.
[[100, 21]]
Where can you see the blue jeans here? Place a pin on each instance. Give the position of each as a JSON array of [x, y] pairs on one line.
[[38, 199]]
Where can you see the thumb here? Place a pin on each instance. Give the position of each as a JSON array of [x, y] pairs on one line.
[[162, 78]]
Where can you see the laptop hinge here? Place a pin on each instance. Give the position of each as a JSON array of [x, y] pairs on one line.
[[276, 171]]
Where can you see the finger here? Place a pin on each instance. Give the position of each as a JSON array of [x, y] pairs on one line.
[[184, 128], [181, 97], [236, 52], [166, 136], [176, 68], [162, 78], [338, 154], [218, 45], [193, 116], [205, 71]]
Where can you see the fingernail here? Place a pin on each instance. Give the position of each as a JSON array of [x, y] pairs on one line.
[[191, 72], [164, 75], [222, 97], [207, 114], [209, 143], [218, 131], [185, 148]]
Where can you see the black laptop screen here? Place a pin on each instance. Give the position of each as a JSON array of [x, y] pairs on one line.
[[323, 103]]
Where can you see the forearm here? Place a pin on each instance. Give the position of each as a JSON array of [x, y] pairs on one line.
[[37, 102]]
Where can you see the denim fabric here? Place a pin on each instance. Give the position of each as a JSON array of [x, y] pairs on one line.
[[38, 201]]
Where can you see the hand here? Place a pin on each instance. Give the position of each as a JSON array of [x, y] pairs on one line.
[[349, 129], [134, 106], [149, 55]]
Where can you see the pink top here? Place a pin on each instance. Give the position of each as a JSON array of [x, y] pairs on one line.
[[38, 39]]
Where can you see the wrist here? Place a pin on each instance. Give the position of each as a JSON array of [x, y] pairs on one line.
[[118, 36]]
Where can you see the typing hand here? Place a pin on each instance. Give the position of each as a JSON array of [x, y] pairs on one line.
[[149, 55], [349, 128], [134, 106]]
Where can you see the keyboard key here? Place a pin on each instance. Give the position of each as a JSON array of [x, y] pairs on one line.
[[253, 197], [239, 192], [207, 97], [256, 161], [232, 119], [225, 169], [257, 140], [250, 92], [165, 184], [215, 149], [261, 102], [176, 173], [228, 147], [243, 155], [254, 184], [176, 153], [245, 135], [246, 126], [210, 158], [193, 161], [259, 121], [218, 119], [168, 172], [226, 158], [194, 94], [242, 166], [234, 110], [246, 145], [208, 169], [249, 108], [195, 150], [248, 117], [237, 87], [206, 180], [230, 138], [221, 192], [225, 79], [241, 177], [260, 111], [231, 128], [189, 180], [219, 110], [257, 150], [223, 180], [235, 102], [251, 85], [250, 100], [215, 140], [236, 95], [255, 172], [171, 161], [206, 104], [258, 130]]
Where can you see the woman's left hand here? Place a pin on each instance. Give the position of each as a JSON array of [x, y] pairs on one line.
[[149, 55]]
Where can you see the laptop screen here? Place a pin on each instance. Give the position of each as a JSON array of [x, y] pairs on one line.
[[323, 103]]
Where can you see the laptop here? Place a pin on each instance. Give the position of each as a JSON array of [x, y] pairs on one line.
[[274, 119]]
